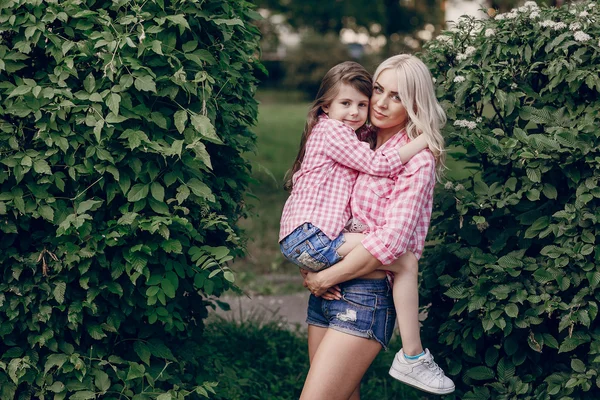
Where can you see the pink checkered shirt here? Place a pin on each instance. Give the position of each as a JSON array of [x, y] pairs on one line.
[[396, 210], [322, 186]]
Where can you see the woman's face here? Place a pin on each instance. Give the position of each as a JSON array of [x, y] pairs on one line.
[[387, 111]]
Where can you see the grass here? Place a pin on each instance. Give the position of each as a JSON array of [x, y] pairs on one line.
[[280, 124], [257, 359]]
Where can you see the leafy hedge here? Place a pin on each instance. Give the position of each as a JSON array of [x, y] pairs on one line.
[[122, 125], [516, 254]]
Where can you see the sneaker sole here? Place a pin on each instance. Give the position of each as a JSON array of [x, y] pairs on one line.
[[416, 384]]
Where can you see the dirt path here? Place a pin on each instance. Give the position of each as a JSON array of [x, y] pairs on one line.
[[287, 309]]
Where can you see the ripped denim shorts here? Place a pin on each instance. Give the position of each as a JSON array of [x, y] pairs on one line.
[[311, 249], [366, 309]]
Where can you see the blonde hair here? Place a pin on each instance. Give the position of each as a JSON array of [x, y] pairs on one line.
[[348, 73], [425, 114]]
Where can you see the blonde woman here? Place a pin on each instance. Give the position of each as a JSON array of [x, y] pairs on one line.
[[351, 301]]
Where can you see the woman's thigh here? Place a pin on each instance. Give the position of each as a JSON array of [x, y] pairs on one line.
[[315, 336], [338, 365]]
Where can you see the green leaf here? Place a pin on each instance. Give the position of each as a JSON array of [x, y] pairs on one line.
[[142, 350], [87, 205], [54, 360], [42, 167], [46, 212], [138, 191], [83, 395], [179, 20], [578, 366], [168, 288], [512, 310], [96, 331], [135, 371], [89, 83], [228, 275], [59, 292], [102, 380], [145, 84], [158, 191], [180, 119], [172, 246], [112, 101], [200, 189], [203, 126], [20, 91], [480, 373], [159, 119]]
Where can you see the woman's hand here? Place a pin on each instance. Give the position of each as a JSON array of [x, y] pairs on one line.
[[316, 287]]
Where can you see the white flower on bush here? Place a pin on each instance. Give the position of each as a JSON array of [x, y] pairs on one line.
[[512, 14], [459, 79], [531, 4], [575, 26], [559, 25], [581, 36], [489, 32], [443, 39], [478, 119], [584, 14], [459, 187], [463, 123], [449, 185], [547, 24], [499, 17], [591, 5], [534, 14], [468, 51]]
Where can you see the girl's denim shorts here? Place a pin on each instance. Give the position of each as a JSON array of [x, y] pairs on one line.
[[311, 249], [366, 309]]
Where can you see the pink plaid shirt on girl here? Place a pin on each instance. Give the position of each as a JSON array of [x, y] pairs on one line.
[[322, 187]]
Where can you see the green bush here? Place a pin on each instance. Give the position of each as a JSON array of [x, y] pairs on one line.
[[512, 280], [122, 125]]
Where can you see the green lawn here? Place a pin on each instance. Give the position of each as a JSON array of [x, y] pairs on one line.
[[280, 124]]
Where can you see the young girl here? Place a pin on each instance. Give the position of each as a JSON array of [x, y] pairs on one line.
[[395, 213], [327, 165]]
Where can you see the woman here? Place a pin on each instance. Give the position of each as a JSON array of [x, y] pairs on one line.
[[351, 322]]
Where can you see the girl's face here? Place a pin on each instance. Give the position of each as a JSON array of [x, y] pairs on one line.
[[349, 106], [387, 111]]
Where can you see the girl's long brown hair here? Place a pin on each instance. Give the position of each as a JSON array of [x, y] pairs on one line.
[[349, 73]]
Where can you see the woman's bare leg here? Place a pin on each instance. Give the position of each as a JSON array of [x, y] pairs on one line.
[[315, 335], [338, 365]]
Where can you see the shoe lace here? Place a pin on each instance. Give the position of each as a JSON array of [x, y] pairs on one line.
[[433, 367]]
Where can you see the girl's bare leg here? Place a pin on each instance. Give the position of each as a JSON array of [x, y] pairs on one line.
[[338, 365], [351, 240], [406, 301]]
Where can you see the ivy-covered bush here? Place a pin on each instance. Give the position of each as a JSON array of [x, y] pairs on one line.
[[511, 281], [122, 125]]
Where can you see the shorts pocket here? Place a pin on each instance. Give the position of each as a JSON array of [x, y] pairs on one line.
[[367, 301], [312, 261]]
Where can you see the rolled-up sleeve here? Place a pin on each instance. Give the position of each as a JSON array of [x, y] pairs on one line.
[[412, 195], [344, 147]]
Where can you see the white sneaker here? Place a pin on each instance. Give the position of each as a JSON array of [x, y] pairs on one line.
[[422, 373]]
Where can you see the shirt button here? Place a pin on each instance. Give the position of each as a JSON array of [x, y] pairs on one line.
[[297, 251]]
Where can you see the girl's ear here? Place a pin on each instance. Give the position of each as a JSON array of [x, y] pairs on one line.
[[325, 108]]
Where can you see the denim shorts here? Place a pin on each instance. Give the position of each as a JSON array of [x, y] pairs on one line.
[[311, 249], [366, 309]]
